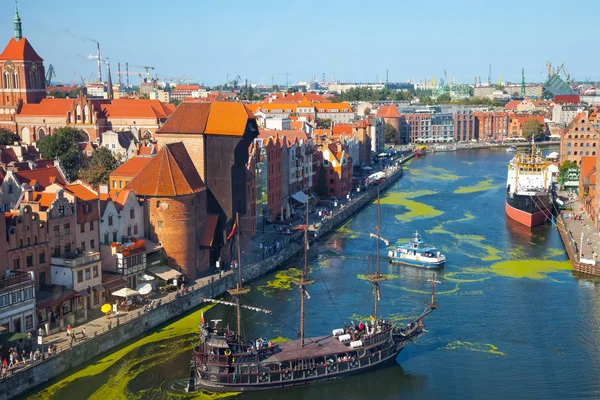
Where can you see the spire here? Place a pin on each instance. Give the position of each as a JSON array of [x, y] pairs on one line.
[[17, 21]]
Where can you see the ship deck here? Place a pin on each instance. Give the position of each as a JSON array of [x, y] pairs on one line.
[[313, 347]]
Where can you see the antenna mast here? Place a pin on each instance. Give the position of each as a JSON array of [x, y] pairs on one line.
[[304, 281], [239, 290], [377, 276]]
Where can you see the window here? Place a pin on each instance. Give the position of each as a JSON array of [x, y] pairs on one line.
[[92, 244], [82, 228], [95, 270], [15, 297], [95, 297], [114, 182], [114, 236], [135, 230], [28, 293], [42, 257], [160, 224], [67, 248], [4, 301], [28, 322], [129, 231], [82, 247], [56, 252], [110, 221], [331, 181], [92, 226], [120, 184], [16, 263], [79, 276], [61, 211], [568, 153], [67, 228], [569, 144], [88, 274], [132, 213], [29, 260], [330, 190], [106, 238]]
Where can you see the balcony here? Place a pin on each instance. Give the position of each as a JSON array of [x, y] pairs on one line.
[[73, 260], [15, 280]]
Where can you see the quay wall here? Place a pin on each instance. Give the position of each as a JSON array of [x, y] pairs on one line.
[[137, 323], [571, 249]]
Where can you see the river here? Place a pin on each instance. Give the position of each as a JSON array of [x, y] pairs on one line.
[[513, 320]]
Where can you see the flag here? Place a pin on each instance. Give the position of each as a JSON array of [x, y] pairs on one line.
[[232, 230], [371, 318], [202, 316]]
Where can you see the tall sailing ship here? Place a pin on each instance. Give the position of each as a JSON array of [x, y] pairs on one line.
[[529, 188], [226, 361]]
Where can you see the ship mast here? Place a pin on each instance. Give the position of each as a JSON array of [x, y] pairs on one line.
[[239, 290], [304, 281], [377, 276]]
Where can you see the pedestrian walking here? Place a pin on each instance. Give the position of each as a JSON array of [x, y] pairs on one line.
[[11, 357], [84, 336]]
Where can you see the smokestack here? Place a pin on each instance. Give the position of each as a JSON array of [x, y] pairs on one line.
[[127, 75], [99, 64], [119, 73]]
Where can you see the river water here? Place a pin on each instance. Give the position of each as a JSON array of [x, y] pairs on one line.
[[513, 320]]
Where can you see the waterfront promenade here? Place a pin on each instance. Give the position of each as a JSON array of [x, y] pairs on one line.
[[98, 327]]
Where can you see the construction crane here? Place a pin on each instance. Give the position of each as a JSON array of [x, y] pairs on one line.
[[287, 77], [147, 68], [49, 75], [499, 81]]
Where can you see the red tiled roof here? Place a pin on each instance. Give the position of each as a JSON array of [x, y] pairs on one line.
[[48, 108], [342, 129], [512, 105], [208, 233], [170, 173], [131, 167], [19, 50], [388, 112], [140, 108], [182, 88], [219, 118], [82, 192], [45, 199], [43, 176], [148, 150]]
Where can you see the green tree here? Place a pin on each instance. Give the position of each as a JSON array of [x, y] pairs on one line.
[[175, 101], [292, 90], [324, 123], [444, 98], [250, 93], [98, 167], [64, 145], [533, 128], [367, 112], [7, 137], [321, 189], [275, 89], [390, 133]]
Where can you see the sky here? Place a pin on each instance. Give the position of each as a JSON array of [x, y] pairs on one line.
[[349, 41]]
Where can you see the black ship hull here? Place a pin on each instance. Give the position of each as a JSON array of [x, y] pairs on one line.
[[301, 377]]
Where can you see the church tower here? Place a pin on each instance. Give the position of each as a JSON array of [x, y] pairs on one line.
[[22, 76]]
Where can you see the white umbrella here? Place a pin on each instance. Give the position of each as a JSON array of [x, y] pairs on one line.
[[125, 292], [144, 288], [146, 277]]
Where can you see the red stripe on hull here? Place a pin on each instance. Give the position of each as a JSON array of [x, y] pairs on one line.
[[525, 218]]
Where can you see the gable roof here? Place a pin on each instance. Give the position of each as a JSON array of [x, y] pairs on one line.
[[20, 50], [45, 199], [47, 108], [140, 108], [42, 176], [170, 173], [82, 192], [131, 167], [556, 86], [219, 118], [388, 112]]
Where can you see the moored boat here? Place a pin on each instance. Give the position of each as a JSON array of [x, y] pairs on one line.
[[529, 189], [417, 254], [225, 361]]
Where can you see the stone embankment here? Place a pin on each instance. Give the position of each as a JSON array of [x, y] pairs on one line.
[[136, 323]]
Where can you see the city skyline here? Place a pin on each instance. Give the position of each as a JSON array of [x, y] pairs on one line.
[[261, 45]]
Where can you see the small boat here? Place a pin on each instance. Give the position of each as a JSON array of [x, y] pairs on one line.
[[511, 149], [417, 254]]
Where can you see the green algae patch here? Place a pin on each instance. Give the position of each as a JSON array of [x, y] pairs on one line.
[[363, 277], [280, 339], [347, 232], [414, 208], [551, 253], [434, 173], [482, 186], [477, 347], [116, 387], [532, 269], [283, 280]]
